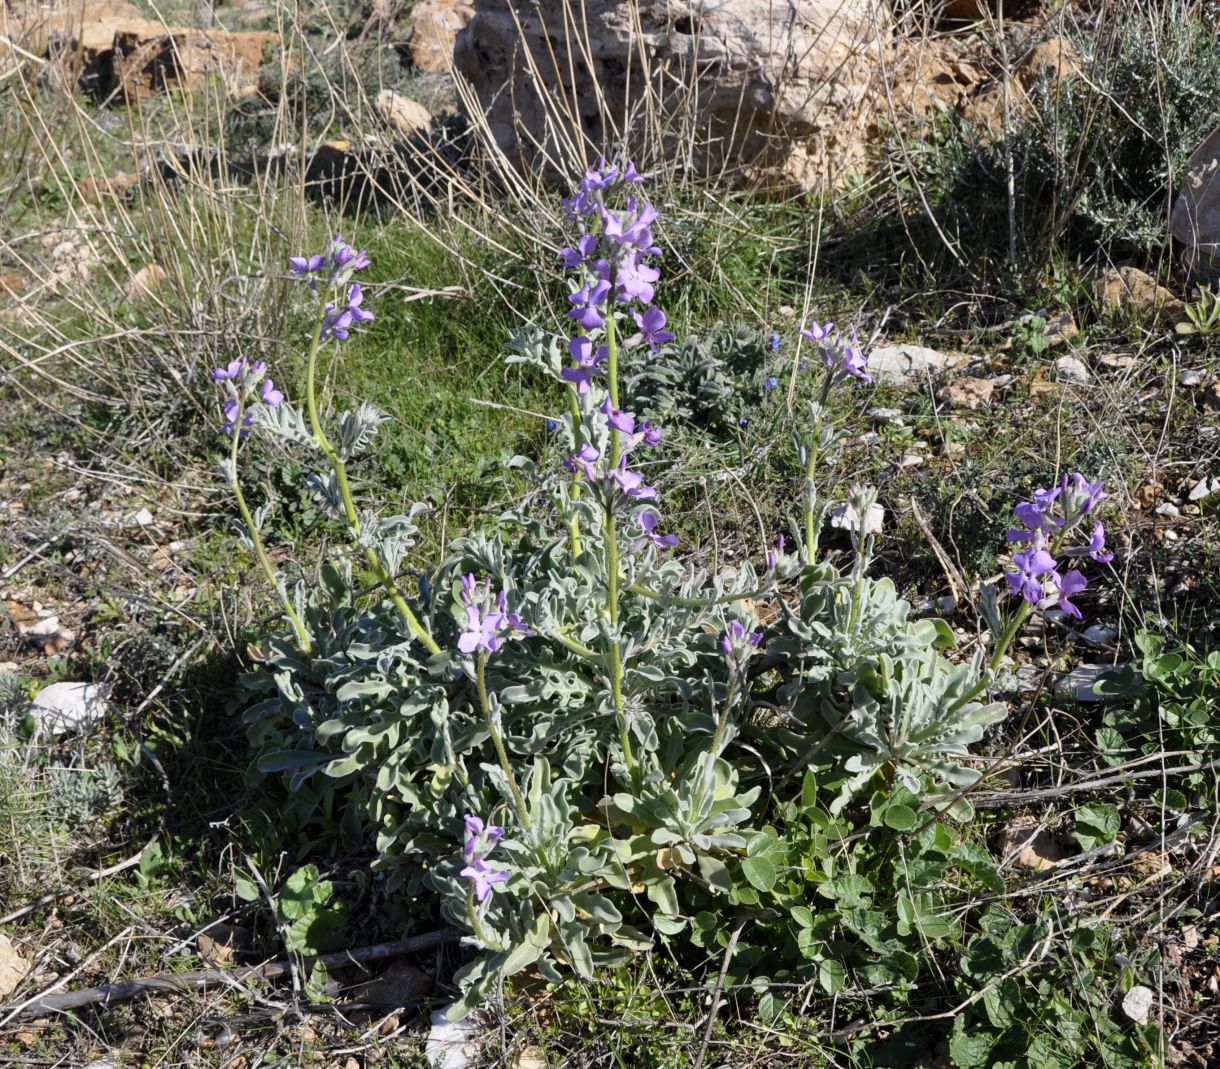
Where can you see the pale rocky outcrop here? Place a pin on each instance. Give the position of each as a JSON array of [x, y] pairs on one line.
[[435, 25], [1195, 221], [774, 88]]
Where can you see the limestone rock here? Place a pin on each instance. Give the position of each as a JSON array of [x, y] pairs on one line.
[[64, 707], [144, 282], [404, 115], [1195, 220], [435, 25], [845, 518], [775, 91], [967, 393], [151, 60], [1073, 371], [1133, 290], [905, 365], [13, 968]]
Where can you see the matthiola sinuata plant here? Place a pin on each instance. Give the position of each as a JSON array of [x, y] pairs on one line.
[[573, 738]]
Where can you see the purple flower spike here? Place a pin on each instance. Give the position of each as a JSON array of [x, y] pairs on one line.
[[269, 394], [649, 521], [483, 877], [1067, 585], [1032, 564], [1097, 545], [619, 420], [652, 327], [586, 303]]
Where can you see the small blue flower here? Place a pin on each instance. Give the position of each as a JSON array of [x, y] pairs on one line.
[[771, 383], [773, 343], [552, 425]]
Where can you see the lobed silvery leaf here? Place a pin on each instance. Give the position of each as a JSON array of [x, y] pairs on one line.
[[284, 422], [357, 430], [324, 486]]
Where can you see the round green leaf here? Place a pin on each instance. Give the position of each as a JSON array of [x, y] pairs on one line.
[[899, 817]]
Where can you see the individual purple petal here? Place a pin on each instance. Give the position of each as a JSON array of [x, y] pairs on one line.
[[269, 394], [619, 420], [1067, 585], [649, 521], [1097, 545]]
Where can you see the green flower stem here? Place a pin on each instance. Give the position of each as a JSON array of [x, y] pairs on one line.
[[257, 540], [574, 519], [498, 740], [349, 508], [614, 657], [472, 912], [814, 444]]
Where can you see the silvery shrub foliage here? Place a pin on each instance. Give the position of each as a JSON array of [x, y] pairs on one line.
[[569, 730]]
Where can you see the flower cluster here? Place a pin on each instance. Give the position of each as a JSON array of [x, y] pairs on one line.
[[612, 262], [1046, 522], [480, 841], [333, 267], [245, 383], [487, 618], [337, 322], [738, 642], [843, 356]]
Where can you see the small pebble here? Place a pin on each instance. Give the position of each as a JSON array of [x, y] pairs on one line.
[[886, 415], [1168, 508], [1191, 377], [910, 460]]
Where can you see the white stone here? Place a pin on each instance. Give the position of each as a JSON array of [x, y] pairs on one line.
[[1168, 508], [845, 518], [450, 1044], [1137, 1003], [13, 967], [1072, 369], [903, 365], [885, 415], [910, 460], [64, 707], [1100, 634], [1078, 683], [1191, 377], [405, 115], [143, 518]]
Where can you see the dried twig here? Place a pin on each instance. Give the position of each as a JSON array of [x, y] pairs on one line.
[[181, 983]]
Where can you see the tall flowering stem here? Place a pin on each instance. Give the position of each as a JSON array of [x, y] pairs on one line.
[[246, 386], [256, 539], [332, 324], [497, 740]]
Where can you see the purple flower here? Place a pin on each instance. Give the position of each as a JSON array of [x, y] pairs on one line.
[[1036, 515], [475, 830], [482, 630], [816, 331], [650, 432], [852, 360], [269, 394], [652, 327], [736, 638], [1079, 495], [343, 255], [484, 878], [1097, 545], [586, 303], [1032, 564], [772, 554], [232, 409], [649, 521], [337, 323], [1067, 585], [771, 383], [552, 425], [585, 247], [306, 265], [233, 370], [587, 364], [619, 420], [632, 482], [631, 176], [633, 281]]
